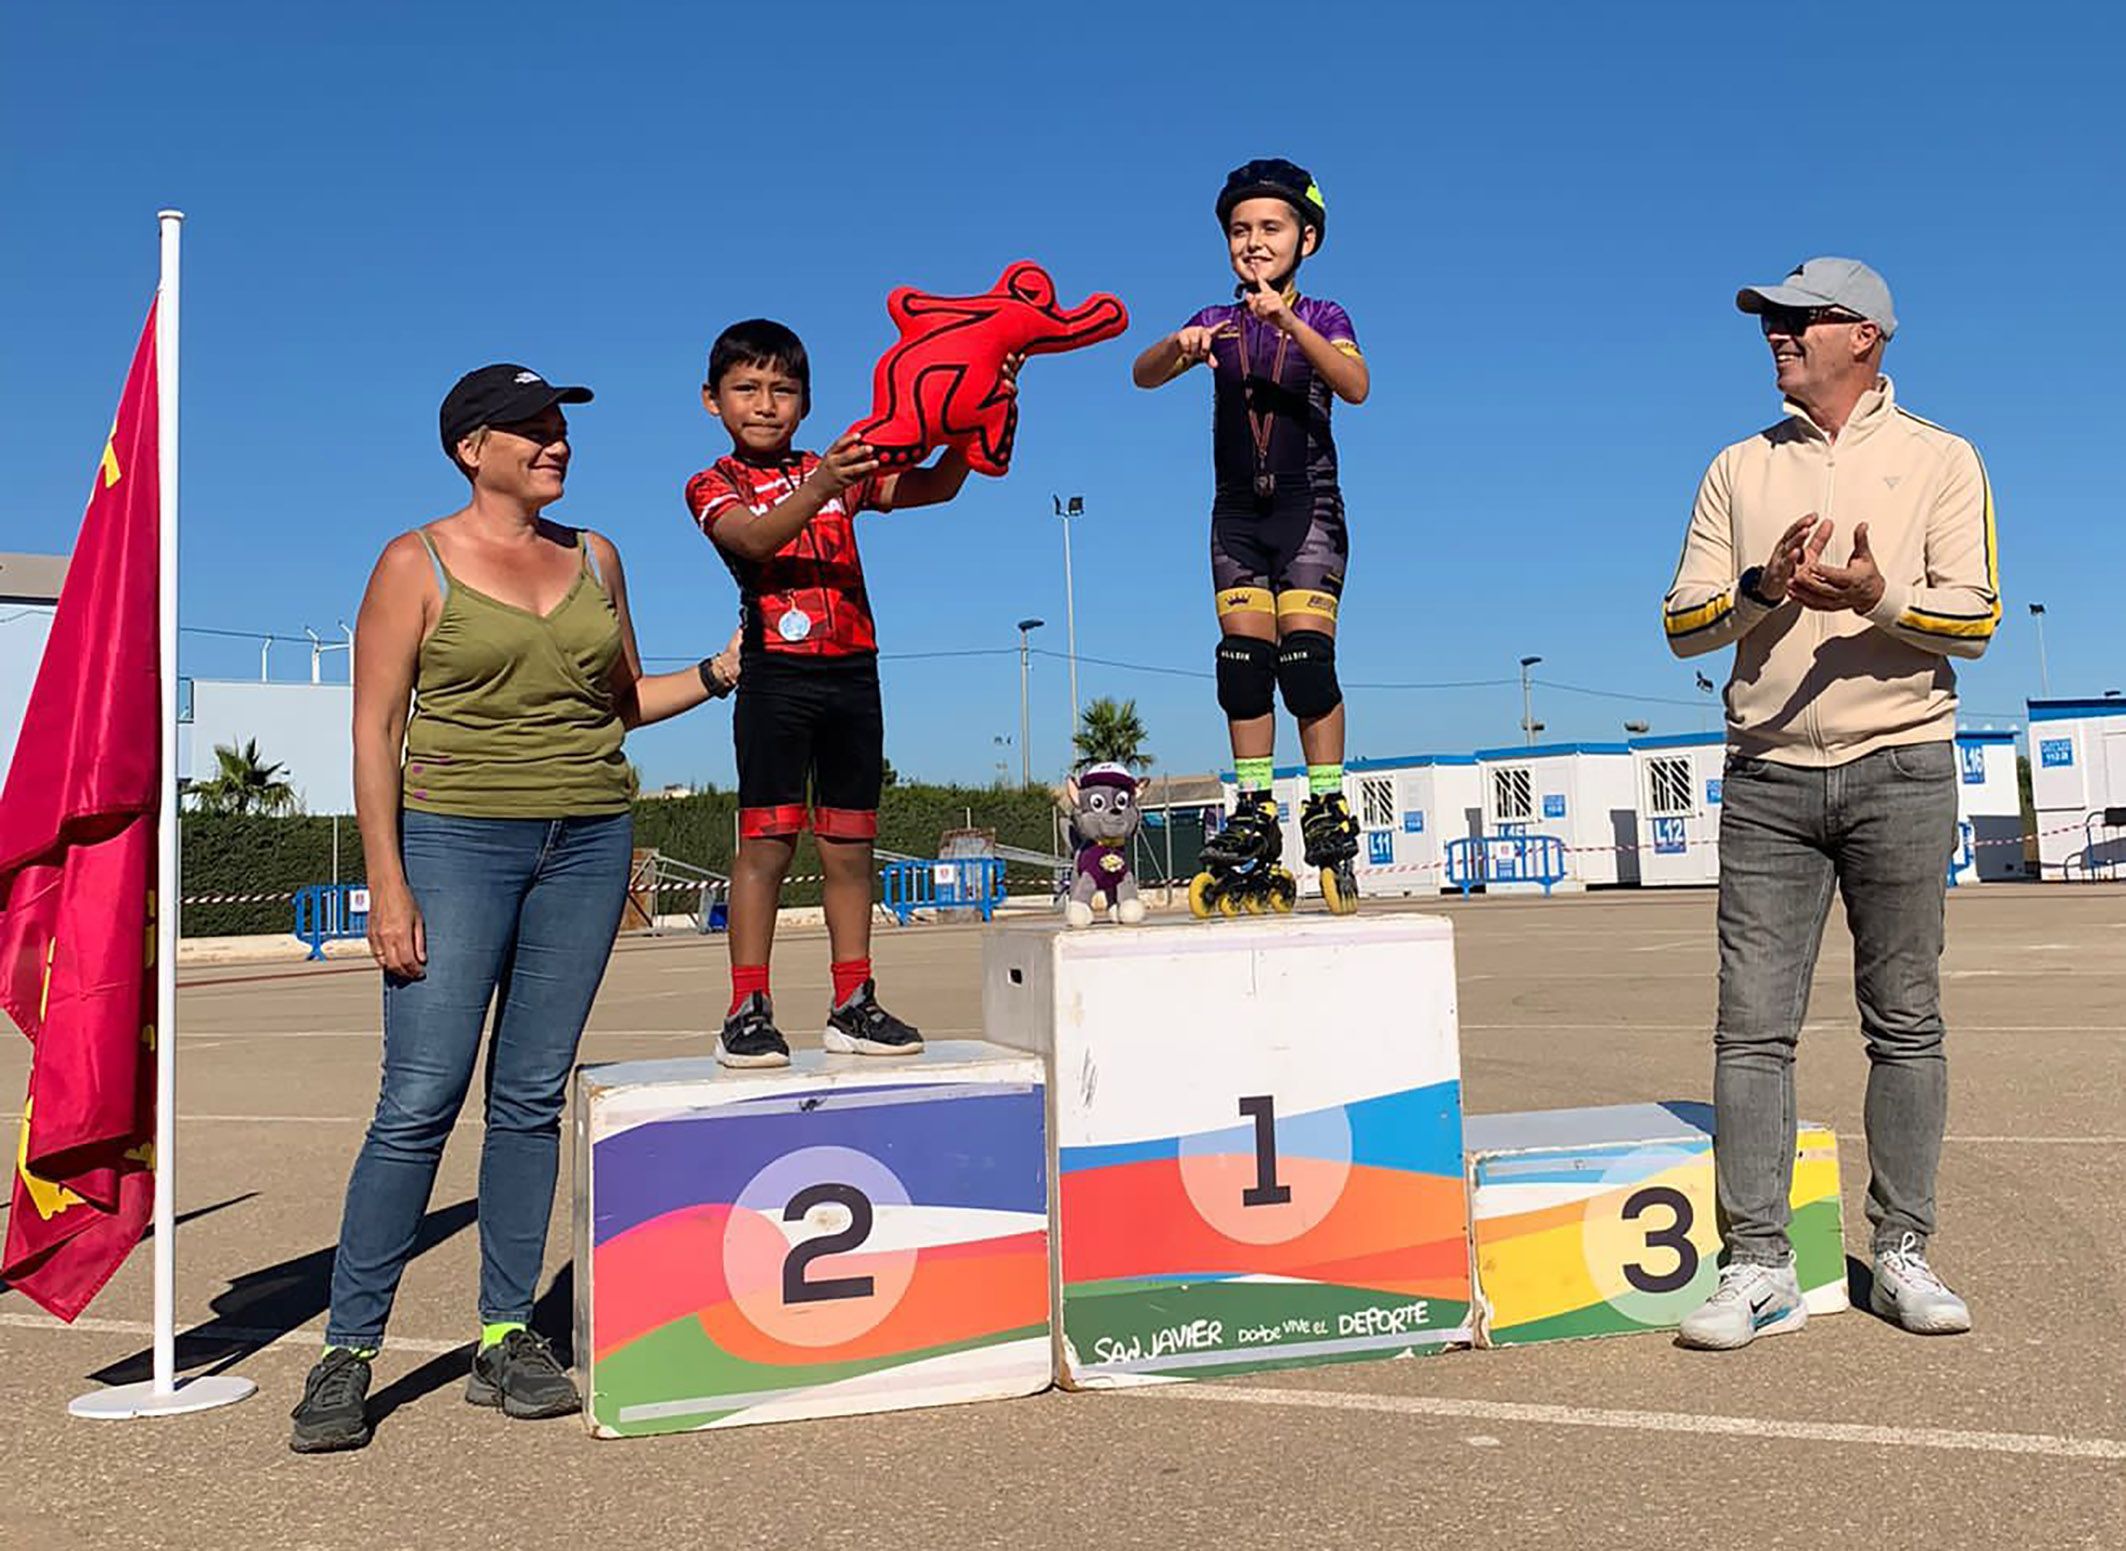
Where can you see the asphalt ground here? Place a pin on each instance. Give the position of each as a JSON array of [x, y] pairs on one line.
[[1847, 1434]]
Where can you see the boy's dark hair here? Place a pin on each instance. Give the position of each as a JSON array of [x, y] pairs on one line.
[[761, 342]]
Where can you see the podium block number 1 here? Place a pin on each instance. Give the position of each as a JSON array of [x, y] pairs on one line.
[[1265, 1191]]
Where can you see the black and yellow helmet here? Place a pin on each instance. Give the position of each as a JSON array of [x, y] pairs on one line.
[[1272, 177]]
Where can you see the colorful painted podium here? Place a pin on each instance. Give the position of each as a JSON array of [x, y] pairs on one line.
[[844, 1235], [1255, 1138], [1599, 1222]]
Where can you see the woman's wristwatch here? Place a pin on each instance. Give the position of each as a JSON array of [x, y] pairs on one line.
[[713, 680]]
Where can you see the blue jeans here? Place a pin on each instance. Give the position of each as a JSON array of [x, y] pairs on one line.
[[520, 914], [1879, 830]]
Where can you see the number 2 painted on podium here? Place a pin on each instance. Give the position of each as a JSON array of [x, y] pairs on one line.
[[795, 1289], [1675, 1237], [1265, 1191]]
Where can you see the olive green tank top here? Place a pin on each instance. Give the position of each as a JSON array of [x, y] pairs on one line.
[[513, 714]]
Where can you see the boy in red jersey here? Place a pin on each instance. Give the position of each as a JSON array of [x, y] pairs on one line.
[[808, 713]]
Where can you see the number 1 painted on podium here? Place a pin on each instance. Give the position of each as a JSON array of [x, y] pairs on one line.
[[1265, 1191]]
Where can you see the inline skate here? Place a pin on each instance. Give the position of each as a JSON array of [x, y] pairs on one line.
[[1241, 871], [1330, 834]]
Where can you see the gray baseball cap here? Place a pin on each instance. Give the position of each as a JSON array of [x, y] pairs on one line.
[[1827, 282]]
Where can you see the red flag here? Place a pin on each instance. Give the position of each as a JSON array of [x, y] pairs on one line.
[[77, 877]]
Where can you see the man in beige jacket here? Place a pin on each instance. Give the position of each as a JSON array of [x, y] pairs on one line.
[[1847, 554]]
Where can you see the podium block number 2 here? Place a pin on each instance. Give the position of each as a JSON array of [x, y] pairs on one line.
[[795, 1289], [1271, 1177]]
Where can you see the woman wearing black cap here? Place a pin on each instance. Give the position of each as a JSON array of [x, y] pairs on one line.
[[495, 824]]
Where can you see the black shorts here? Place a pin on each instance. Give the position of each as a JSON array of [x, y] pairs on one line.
[[809, 727], [1285, 555]]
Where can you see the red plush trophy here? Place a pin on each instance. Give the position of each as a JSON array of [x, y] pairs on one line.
[[943, 382]]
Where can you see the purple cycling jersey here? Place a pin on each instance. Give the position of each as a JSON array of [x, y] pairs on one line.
[[1289, 400]]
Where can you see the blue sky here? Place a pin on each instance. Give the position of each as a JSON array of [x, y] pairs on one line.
[[1538, 218]]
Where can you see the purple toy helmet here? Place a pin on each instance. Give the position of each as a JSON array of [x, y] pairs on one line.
[[1107, 773]]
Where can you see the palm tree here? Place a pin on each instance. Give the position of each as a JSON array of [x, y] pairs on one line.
[[1112, 732], [244, 783]]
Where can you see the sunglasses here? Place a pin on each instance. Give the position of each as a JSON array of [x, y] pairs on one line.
[[1799, 320]]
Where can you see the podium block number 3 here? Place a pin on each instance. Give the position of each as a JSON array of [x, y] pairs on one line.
[[1674, 1238], [787, 1232], [1270, 1178], [1649, 1237]]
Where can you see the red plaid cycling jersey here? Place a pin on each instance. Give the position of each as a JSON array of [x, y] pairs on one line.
[[808, 598]]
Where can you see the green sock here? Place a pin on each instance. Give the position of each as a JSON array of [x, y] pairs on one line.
[[366, 1353], [491, 1335], [1254, 775], [1324, 778]]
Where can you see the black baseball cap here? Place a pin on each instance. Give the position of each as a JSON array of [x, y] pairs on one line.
[[499, 395]]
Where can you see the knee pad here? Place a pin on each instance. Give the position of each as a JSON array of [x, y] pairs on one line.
[[1306, 671], [1247, 677]]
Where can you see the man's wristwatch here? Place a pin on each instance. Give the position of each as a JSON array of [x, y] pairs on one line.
[[1750, 579]]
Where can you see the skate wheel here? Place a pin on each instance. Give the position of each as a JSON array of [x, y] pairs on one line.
[[1338, 891], [1255, 905], [1228, 906], [1284, 894], [1201, 902]]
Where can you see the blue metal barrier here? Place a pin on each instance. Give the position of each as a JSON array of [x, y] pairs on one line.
[[960, 883], [1488, 859], [330, 912]]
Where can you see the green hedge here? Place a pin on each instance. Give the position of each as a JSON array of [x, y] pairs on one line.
[[253, 855]]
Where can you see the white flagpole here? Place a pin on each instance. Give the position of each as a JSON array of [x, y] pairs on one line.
[[163, 1395]]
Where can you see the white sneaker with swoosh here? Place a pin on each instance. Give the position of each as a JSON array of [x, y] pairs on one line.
[[1751, 1301], [1908, 1293]]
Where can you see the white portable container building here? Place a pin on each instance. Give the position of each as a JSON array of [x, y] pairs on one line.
[[1678, 779], [1581, 793], [1989, 810], [2078, 785]]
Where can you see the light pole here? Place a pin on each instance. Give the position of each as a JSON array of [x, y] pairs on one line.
[[1074, 507], [2044, 675], [1025, 729], [1527, 701], [1705, 687]]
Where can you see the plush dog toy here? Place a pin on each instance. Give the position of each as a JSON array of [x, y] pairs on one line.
[[943, 383], [1103, 805]]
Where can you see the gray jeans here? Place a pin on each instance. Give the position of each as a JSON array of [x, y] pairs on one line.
[[1880, 830]]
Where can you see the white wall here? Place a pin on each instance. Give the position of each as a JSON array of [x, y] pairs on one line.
[[23, 629], [304, 727]]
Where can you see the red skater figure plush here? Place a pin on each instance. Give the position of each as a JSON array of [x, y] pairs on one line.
[[944, 382]]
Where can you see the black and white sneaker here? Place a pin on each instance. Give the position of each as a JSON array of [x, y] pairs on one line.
[[860, 1027], [750, 1037], [334, 1411], [521, 1375]]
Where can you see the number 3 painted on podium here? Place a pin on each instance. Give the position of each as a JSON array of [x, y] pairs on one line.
[[1676, 1237]]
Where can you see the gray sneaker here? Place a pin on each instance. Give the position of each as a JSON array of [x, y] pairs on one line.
[[1908, 1294], [520, 1374], [1751, 1301]]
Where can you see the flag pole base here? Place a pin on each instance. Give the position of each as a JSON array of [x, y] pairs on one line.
[[121, 1402]]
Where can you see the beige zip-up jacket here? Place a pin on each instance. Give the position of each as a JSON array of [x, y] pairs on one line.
[[1816, 688]]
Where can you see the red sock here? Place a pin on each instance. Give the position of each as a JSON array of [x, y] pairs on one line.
[[849, 975], [745, 980]]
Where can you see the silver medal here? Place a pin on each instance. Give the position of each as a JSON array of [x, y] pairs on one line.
[[794, 625]]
